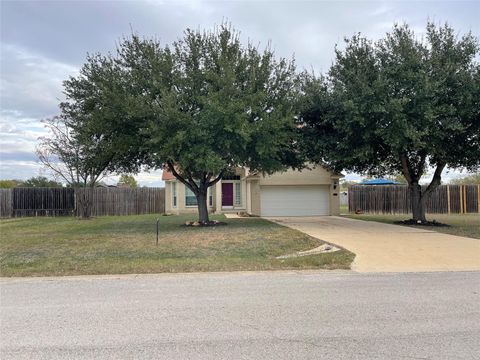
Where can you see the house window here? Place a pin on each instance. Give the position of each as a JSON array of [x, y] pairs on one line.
[[238, 197], [190, 199], [231, 177], [174, 194]]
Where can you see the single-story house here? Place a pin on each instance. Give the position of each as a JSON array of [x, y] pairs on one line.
[[290, 193]]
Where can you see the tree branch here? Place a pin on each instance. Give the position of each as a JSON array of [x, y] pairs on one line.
[[437, 178], [217, 179], [179, 177], [421, 165], [406, 168], [193, 184]]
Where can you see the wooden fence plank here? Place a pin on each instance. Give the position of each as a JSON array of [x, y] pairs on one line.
[[448, 198], [5, 203]]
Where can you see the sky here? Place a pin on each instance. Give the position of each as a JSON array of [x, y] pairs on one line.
[[42, 43]]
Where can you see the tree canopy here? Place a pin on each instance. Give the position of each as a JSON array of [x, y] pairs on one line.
[[40, 181], [199, 108], [76, 161], [467, 179], [128, 181], [398, 105], [9, 184]]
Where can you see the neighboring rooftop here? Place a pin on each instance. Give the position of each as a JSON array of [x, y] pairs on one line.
[[167, 175]]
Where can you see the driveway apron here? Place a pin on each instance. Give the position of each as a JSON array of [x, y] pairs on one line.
[[391, 248]]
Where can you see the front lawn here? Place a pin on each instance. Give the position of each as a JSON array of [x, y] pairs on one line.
[[462, 225], [126, 244]]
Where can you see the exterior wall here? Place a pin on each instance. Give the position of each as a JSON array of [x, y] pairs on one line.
[[316, 176], [214, 198], [218, 196], [251, 187], [249, 197], [255, 197], [168, 197], [181, 208], [335, 198]]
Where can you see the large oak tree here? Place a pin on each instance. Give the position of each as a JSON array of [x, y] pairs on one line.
[[215, 105], [403, 104], [206, 105]]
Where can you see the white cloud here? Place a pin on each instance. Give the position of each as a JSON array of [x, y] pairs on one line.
[[20, 170], [31, 84], [30, 90], [42, 44]]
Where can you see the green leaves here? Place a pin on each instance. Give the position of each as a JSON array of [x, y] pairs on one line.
[[398, 97], [212, 104]]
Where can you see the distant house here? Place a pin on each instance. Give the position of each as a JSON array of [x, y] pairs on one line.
[[289, 193], [380, 182], [103, 185]]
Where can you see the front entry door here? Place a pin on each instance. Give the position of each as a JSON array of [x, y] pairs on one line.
[[227, 194]]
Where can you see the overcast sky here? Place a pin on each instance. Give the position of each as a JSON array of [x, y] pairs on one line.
[[45, 42]]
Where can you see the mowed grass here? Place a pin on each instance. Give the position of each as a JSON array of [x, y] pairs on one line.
[[126, 244], [462, 225]]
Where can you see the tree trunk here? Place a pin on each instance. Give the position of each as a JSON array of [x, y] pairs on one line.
[[86, 203], [417, 200], [202, 206]]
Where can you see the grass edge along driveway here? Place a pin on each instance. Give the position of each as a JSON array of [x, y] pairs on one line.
[[467, 225], [60, 246]]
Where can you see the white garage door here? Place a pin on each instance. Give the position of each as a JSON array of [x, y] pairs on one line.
[[294, 200]]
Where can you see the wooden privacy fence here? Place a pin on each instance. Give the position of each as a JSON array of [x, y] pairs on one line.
[[395, 199], [122, 201], [42, 201], [19, 202]]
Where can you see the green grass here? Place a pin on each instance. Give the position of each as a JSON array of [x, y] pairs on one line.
[[126, 244], [462, 225]]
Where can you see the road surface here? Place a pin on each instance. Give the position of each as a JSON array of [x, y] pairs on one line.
[[264, 315]]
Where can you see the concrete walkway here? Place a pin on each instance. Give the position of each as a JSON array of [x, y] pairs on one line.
[[391, 248]]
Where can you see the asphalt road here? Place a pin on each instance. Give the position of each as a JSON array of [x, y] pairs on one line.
[[268, 315]]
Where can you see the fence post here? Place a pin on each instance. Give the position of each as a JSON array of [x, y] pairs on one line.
[[11, 203], [478, 197], [460, 192], [448, 198]]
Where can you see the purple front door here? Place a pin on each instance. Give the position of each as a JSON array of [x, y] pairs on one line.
[[227, 194]]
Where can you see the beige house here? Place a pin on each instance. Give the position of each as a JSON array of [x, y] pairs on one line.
[[289, 193]]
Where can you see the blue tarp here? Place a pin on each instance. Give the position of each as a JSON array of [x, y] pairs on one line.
[[380, 182]]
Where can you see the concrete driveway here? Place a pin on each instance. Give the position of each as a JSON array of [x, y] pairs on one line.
[[391, 248]]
